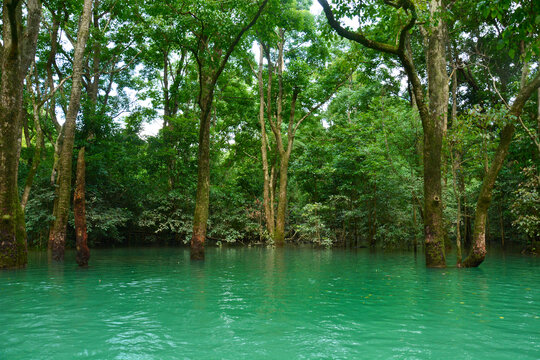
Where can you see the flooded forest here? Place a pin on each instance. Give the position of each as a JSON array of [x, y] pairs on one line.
[[269, 179], [362, 124]]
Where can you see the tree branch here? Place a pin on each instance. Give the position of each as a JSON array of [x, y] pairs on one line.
[[372, 44], [236, 41]]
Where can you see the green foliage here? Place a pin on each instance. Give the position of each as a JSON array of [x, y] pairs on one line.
[[356, 167], [38, 216], [526, 206], [169, 215], [312, 227], [106, 224]]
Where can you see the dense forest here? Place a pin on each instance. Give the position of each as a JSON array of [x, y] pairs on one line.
[[386, 124]]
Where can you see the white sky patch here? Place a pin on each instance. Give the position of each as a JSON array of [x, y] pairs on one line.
[[152, 128], [316, 8]]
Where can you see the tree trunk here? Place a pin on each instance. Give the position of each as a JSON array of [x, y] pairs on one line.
[[434, 131], [415, 241], [501, 223], [279, 232], [456, 163], [36, 159], [200, 217], [208, 78], [79, 210], [373, 217], [478, 252], [455, 168], [18, 51], [13, 252], [57, 236], [264, 146]]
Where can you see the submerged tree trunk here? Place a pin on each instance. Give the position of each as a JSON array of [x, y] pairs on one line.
[[268, 215], [373, 217], [57, 236], [200, 217], [208, 77], [13, 253], [18, 51], [455, 166], [79, 210], [279, 232], [433, 115], [434, 130], [415, 241], [478, 251]]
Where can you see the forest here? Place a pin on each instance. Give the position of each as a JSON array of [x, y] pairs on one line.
[[395, 124]]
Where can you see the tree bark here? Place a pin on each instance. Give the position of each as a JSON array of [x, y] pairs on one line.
[[13, 252], [200, 217], [478, 251], [264, 145], [79, 210], [18, 52], [57, 236], [36, 159], [279, 232], [456, 160], [501, 223], [434, 130]]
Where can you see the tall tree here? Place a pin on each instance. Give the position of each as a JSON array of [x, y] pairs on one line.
[[510, 25], [57, 236], [17, 53], [216, 34], [478, 251], [432, 111], [313, 76]]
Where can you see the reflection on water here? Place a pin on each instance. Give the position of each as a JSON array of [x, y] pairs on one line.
[[269, 303]]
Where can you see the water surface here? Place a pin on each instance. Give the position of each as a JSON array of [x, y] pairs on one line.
[[248, 303]]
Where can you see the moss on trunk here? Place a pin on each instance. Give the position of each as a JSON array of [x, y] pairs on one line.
[[12, 230]]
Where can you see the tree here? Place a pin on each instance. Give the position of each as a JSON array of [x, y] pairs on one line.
[[309, 76], [57, 236], [215, 37], [433, 112], [18, 51], [517, 24]]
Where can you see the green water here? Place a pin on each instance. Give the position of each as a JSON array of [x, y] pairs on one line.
[[269, 304]]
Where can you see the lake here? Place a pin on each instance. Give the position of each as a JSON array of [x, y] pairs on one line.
[[258, 303]]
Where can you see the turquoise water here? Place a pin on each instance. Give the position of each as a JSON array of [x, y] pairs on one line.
[[269, 304]]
